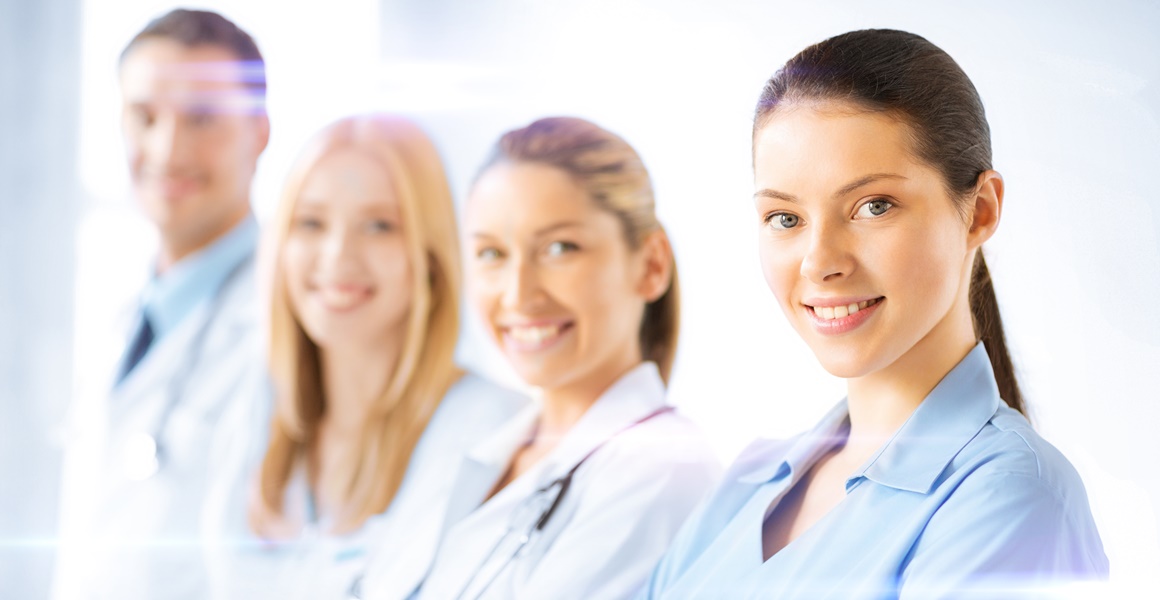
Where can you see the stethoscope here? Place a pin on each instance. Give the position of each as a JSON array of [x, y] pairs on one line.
[[143, 453], [532, 515]]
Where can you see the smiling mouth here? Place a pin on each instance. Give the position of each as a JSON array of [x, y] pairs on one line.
[[172, 187], [830, 313], [534, 337], [340, 299]]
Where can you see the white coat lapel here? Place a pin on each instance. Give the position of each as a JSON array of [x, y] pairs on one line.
[[484, 464], [150, 382], [633, 397]]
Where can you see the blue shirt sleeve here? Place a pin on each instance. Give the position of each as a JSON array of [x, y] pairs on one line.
[[1004, 535], [675, 560]]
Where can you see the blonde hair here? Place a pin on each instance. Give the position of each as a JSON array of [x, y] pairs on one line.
[[614, 176], [425, 369]]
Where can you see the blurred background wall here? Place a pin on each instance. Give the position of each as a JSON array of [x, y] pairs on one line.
[[39, 207], [1072, 90]]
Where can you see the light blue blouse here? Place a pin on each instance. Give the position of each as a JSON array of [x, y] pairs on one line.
[[171, 297], [966, 500]]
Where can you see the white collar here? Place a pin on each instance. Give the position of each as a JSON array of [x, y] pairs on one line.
[[637, 393]]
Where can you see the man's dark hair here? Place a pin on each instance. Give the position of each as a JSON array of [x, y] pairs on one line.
[[192, 28]]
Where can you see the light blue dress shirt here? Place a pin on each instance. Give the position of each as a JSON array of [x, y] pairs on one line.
[[966, 500], [169, 298]]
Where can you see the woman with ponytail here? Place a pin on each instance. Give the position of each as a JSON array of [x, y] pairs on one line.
[[574, 278], [874, 195]]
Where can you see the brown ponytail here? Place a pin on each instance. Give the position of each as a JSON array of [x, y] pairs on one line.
[[614, 176], [659, 331], [906, 76], [989, 329]]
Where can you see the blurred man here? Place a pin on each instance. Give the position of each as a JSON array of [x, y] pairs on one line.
[[194, 123]]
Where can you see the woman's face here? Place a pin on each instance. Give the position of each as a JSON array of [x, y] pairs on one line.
[[860, 243], [345, 263], [552, 276]]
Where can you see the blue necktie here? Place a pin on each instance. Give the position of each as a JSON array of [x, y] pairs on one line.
[[137, 349]]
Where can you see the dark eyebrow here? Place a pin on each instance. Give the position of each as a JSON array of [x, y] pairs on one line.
[[846, 189], [857, 183]]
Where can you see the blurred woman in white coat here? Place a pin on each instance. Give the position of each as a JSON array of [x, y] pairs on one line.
[[370, 414], [575, 280]]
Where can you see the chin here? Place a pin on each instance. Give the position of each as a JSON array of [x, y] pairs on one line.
[[541, 375], [847, 363], [533, 375]]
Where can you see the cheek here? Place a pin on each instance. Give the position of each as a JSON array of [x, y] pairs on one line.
[[227, 153], [392, 269], [295, 256], [134, 151], [481, 290], [780, 266], [921, 264], [604, 291], [295, 265]]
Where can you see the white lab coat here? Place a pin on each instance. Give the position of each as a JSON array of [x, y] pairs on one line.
[[401, 540], [124, 539], [625, 503]]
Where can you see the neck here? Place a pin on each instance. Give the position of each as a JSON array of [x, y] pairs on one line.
[[564, 406], [882, 401], [175, 248], [353, 379]]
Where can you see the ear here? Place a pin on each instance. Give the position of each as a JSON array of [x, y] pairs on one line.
[[987, 208], [262, 133], [658, 266]]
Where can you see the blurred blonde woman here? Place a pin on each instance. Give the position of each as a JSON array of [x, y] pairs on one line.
[[574, 278], [370, 414]]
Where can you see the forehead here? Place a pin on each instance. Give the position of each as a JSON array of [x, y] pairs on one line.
[[160, 70], [347, 177], [807, 145], [528, 195]]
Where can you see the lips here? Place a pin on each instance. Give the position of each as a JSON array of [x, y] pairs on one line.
[[343, 298], [840, 315], [534, 336], [830, 313], [172, 187]]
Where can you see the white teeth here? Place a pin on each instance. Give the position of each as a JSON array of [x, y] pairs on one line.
[[837, 312], [534, 335]]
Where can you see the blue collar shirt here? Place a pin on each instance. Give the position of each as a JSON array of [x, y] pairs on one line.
[[171, 297], [966, 500]]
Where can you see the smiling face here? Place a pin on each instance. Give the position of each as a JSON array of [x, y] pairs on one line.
[[192, 137], [345, 262], [553, 277], [860, 242]]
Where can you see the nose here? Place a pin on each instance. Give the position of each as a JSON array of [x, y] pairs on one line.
[[338, 247], [167, 142], [828, 256], [522, 285]]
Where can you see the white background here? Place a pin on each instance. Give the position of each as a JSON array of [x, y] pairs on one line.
[[1071, 91]]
